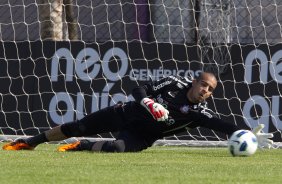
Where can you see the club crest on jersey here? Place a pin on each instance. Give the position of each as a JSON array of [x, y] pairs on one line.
[[184, 109]]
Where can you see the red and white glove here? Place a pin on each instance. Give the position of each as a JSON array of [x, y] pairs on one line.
[[158, 112]]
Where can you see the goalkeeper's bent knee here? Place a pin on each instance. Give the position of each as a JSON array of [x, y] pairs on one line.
[[73, 129]]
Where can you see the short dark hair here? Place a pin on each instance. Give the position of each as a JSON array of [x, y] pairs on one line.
[[200, 76]]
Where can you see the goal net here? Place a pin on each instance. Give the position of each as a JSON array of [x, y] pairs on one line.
[[63, 59]]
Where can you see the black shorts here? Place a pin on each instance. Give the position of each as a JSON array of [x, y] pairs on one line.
[[128, 141], [121, 118]]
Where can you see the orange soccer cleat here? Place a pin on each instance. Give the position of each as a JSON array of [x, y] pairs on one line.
[[70, 147], [19, 144]]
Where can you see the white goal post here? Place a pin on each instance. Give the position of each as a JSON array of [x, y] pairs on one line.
[[62, 59]]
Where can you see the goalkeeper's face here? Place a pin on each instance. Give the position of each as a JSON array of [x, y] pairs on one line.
[[202, 88]]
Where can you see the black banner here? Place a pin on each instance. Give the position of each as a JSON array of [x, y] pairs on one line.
[[44, 84]]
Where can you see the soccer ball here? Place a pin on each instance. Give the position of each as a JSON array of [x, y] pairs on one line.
[[242, 143]]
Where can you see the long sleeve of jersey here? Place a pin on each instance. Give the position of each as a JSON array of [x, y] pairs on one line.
[[214, 123]]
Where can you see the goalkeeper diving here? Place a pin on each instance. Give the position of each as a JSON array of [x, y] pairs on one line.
[[161, 108]]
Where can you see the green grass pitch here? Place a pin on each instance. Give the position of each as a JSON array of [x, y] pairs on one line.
[[154, 165]]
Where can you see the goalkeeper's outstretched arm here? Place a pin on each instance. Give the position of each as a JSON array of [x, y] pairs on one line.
[[217, 124]]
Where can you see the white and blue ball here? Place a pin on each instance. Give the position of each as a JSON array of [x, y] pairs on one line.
[[242, 143]]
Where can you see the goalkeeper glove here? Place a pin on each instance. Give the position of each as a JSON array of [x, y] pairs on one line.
[[158, 112], [263, 138]]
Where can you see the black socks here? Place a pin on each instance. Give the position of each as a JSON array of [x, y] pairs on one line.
[[35, 140], [86, 145]]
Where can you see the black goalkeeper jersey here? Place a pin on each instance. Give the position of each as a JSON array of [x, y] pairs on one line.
[[171, 92]]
